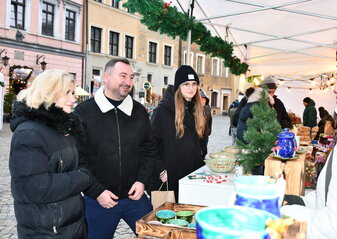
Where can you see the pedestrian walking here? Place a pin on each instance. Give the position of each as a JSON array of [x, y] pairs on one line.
[[119, 150], [232, 127], [46, 181], [208, 123], [178, 124]]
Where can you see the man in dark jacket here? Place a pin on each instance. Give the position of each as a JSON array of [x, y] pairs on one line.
[[281, 112], [119, 150], [310, 113]]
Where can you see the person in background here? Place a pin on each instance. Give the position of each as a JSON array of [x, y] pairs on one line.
[[234, 104], [178, 124], [242, 103], [46, 180], [233, 128], [119, 150], [208, 123], [325, 117], [318, 208], [310, 113], [281, 112]]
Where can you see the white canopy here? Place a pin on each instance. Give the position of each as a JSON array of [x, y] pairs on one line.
[[278, 37]]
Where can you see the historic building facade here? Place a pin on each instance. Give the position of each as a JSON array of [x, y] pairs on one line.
[[36, 35]]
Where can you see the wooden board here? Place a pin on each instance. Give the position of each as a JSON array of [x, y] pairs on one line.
[[143, 228]]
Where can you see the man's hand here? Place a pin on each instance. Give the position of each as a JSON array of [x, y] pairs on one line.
[[105, 199], [136, 191]]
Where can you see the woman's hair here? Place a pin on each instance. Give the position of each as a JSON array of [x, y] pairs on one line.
[[46, 88], [198, 112]]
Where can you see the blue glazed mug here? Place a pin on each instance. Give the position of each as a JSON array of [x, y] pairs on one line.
[[262, 203], [285, 144]]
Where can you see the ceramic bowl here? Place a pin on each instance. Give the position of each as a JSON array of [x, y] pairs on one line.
[[192, 225], [185, 215], [165, 215], [178, 222]]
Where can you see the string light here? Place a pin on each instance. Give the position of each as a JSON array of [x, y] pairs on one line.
[[310, 91], [289, 89]]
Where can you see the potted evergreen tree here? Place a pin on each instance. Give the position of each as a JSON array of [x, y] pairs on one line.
[[261, 134]]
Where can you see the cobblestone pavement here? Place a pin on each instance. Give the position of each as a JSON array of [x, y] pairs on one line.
[[218, 139]]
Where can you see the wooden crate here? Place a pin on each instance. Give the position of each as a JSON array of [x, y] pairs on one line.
[[143, 228]]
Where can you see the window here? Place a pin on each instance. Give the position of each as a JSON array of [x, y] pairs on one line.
[[200, 64], [149, 78], [70, 25], [165, 80], [152, 52], [114, 3], [18, 14], [113, 43], [128, 47], [191, 58], [215, 66], [98, 0], [95, 40], [224, 70], [167, 55], [48, 11]]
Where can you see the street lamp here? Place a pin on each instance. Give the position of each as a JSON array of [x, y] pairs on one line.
[[5, 59]]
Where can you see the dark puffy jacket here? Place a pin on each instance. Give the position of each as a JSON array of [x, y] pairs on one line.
[[45, 179], [118, 149], [179, 156], [310, 115], [245, 114]]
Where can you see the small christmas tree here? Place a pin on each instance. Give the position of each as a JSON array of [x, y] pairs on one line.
[[261, 134]]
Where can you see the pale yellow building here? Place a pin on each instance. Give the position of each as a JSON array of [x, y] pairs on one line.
[[114, 32], [221, 87]]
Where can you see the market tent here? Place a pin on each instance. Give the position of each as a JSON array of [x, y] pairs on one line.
[[279, 37], [80, 92], [295, 42]]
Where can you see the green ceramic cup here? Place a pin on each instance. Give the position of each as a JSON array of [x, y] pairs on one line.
[[185, 215], [178, 222]]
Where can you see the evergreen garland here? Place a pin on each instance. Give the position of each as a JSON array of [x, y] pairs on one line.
[[261, 134], [161, 17]]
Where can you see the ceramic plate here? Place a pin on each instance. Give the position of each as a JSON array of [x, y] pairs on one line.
[[278, 157]]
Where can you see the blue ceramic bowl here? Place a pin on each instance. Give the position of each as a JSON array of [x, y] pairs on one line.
[[165, 215], [192, 225]]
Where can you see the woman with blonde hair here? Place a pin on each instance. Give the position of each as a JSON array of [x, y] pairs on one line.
[[45, 178], [178, 123]]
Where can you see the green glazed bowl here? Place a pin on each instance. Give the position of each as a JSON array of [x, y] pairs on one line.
[[165, 215], [178, 222], [185, 215]]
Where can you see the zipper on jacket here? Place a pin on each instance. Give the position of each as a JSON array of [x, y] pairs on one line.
[[61, 165], [55, 219], [119, 153]]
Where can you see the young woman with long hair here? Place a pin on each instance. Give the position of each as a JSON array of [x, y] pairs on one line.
[[178, 123]]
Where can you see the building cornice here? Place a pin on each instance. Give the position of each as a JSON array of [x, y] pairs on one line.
[[40, 48]]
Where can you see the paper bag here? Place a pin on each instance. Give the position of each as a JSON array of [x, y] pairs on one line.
[[160, 197]]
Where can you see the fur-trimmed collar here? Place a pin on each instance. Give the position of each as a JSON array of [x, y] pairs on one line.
[[53, 117], [103, 103]]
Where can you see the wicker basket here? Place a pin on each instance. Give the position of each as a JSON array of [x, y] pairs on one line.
[[221, 165]]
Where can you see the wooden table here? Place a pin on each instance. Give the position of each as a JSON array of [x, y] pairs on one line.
[[293, 170]]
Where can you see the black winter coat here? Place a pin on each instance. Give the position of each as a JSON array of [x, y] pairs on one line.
[[45, 179], [179, 156], [282, 114], [118, 149], [310, 115]]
